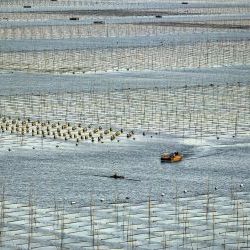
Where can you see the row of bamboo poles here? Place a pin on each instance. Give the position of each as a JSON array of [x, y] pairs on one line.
[[199, 110]]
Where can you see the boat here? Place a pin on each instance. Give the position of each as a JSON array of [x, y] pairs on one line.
[[116, 176], [173, 157]]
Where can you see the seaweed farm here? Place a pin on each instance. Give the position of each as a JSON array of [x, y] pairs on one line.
[[192, 111], [92, 93], [200, 222]]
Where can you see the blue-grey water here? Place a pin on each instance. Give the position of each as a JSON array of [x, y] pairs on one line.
[[13, 83], [69, 173], [122, 42]]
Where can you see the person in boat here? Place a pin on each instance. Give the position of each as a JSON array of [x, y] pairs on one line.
[[172, 155]]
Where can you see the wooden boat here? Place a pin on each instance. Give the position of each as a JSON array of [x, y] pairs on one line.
[[173, 157]]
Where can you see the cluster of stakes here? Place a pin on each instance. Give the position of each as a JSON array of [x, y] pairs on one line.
[[61, 130]]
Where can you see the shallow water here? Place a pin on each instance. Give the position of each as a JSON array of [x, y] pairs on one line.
[[15, 83], [82, 173]]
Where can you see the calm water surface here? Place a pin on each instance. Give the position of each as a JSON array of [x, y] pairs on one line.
[[69, 173]]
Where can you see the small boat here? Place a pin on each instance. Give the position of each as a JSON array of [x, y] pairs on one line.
[[173, 157], [116, 176]]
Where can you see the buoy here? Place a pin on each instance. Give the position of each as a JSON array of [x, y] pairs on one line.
[[129, 135], [162, 194], [185, 191], [241, 185]]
